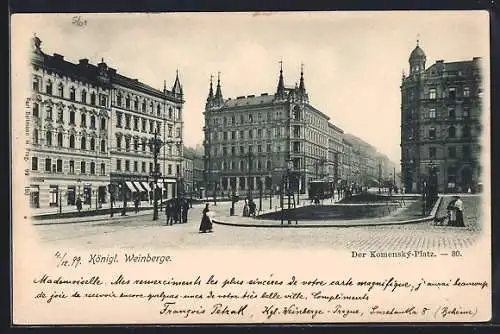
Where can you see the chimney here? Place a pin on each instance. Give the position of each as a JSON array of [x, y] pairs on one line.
[[58, 57], [83, 62]]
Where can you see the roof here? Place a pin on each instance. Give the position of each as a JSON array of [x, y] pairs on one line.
[[250, 100], [453, 66], [417, 53]]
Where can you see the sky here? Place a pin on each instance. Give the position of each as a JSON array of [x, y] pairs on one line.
[[353, 61]]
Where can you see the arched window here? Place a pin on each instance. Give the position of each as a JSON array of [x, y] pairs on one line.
[[72, 94], [92, 168], [103, 169], [72, 141], [127, 102], [83, 143], [72, 117], [82, 167], [119, 142], [92, 98], [60, 115], [92, 122], [119, 99], [60, 139], [451, 114], [84, 96], [152, 105], [451, 132], [48, 87], [170, 113], [48, 138], [103, 123], [136, 103], [60, 90], [158, 110], [103, 146], [92, 144], [144, 106], [83, 121]]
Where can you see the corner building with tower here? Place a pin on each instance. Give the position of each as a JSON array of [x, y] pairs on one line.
[[88, 127], [252, 141], [441, 112]]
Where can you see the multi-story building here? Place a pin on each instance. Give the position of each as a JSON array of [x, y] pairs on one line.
[[253, 141], [441, 123], [86, 130]]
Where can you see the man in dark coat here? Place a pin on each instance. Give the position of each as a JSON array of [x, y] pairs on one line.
[[185, 209]]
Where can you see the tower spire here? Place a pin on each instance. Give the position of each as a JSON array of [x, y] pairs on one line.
[[177, 88], [418, 39], [302, 87], [280, 90], [210, 97], [218, 92]]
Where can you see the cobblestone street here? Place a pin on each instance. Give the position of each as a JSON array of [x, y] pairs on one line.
[[142, 232]]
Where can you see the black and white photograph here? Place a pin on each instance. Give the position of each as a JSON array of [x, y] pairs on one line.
[[363, 135]]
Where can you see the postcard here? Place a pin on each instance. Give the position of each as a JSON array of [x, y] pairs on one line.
[[230, 168]]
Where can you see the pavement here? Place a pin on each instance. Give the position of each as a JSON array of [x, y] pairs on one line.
[[141, 232]]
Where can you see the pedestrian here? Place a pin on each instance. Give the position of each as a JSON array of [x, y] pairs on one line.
[[168, 213], [246, 212], [136, 205], [79, 204], [459, 210], [185, 208], [452, 217], [175, 211], [206, 224]]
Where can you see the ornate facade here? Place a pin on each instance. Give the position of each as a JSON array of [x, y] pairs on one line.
[[77, 114], [441, 123]]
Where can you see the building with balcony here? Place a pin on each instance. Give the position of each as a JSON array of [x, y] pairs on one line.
[[89, 126], [252, 141], [441, 123]]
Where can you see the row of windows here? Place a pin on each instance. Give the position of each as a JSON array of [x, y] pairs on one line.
[[133, 166], [71, 117], [56, 166], [452, 152], [60, 92], [145, 107], [71, 141], [141, 145], [451, 114], [143, 123], [452, 132]]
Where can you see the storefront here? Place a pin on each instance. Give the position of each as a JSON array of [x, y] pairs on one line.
[[71, 195], [34, 196]]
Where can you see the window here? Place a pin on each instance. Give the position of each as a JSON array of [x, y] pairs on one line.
[[466, 131], [452, 94], [136, 103], [72, 167], [150, 167], [92, 168], [136, 166], [60, 139], [451, 114], [83, 143], [170, 130], [48, 87], [49, 113], [72, 94], [432, 152], [268, 164], [127, 165], [118, 119], [432, 133], [158, 127], [178, 130], [92, 144], [48, 164], [92, 122], [170, 113], [151, 126], [118, 142], [169, 169], [466, 113], [136, 144], [34, 163], [83, 121], [451, 132], [432, 94], [59, 165], [60, 90], [36, 84], [242, 134], [143, 145], [268, 147], [36, 108], [103, 123], [84, 96], [82, 167], [136, 123], [242, 119], [432, 113], [103, 100], [143, 167], [143, 125], [466, 151], [60, 115], [127, 144], [127, 102], [103, 169], [233, 135], [118, 164], [127, 121], [143, 106], [103, 146], [72, 117], [158, 110], [119, 99], [72, 141], [35, 136], [466, 92], [452, 152], [92, 98]]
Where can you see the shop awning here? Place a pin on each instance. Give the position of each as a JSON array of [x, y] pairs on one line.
[[138, 186], [130, 186], [145, 185]]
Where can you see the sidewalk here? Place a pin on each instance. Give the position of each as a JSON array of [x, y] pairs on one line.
[[409, 214]]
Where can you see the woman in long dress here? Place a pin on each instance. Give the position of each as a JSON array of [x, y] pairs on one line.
[[206, 224]]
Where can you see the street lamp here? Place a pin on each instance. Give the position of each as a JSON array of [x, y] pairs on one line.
[[111, 189], [155, 145], [60, 196]]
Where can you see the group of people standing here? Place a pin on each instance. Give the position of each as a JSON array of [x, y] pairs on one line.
[[249, 208], [177, 211], [456, 212]]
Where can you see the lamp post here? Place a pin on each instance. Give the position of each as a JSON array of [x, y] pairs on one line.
[[60, 195], [96, 199], [124, 198], [111, 189], [155, 145], [260, 194], [250, 184]]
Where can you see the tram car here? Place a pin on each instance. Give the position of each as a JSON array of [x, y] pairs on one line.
[[321, 189]]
